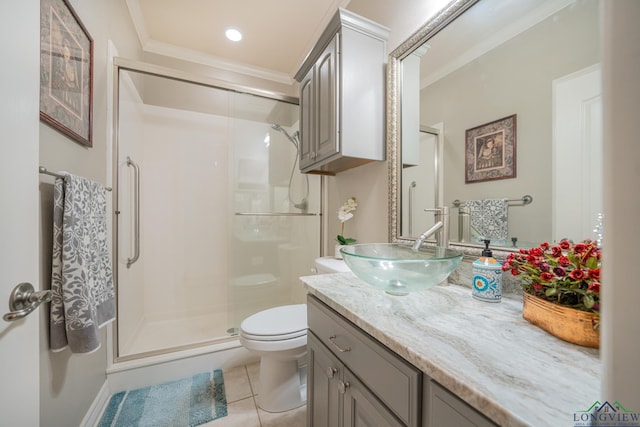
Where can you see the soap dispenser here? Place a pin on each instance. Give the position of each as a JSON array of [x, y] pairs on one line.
[[487, 276]]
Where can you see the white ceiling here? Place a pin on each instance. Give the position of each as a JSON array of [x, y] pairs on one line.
[[278, 34]]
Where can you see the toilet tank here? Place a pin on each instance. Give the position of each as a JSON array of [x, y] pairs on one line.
[[329, 264]]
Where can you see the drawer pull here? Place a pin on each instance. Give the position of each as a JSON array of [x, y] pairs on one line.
[[343, 386], [332, 338], [331, 372]]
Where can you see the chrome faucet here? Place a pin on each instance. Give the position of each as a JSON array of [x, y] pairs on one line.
[[440, 229]]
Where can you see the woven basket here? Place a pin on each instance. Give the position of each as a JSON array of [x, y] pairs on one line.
[[568, 324]]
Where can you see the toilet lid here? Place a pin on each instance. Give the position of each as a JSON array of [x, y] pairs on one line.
[[284, 322]]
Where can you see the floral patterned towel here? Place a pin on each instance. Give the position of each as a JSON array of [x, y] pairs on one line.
[[490, 218], [81, 277]]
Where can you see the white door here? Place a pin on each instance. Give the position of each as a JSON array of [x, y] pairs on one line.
[[577, 135], [19, 340]]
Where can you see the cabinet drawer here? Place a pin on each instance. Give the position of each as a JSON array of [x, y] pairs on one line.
[[393, 380]]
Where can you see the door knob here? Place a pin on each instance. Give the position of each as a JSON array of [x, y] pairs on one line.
[[23, 300]]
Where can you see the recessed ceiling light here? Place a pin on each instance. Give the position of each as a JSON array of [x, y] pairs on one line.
[[233, 34]]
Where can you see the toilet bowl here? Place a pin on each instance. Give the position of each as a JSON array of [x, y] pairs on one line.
[[279, 336]]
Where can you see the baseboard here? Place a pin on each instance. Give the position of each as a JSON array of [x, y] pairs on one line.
[[154, 370], [93, 415]]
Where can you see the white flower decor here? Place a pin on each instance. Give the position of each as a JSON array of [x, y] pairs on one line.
[[345, 213]]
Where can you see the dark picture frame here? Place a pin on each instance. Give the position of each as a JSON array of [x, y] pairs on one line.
[[490, 150], [66, 72]]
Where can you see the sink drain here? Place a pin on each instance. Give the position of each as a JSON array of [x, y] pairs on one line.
[[396, 287]]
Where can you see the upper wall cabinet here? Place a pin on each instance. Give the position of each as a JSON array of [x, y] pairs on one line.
[[342, 90]]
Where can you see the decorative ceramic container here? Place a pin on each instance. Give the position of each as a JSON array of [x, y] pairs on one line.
[[337, 254], [571, 325]]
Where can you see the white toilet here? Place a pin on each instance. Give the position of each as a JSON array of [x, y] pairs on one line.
[[279, 336]]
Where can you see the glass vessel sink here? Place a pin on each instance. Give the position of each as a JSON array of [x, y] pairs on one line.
[[398, 269]]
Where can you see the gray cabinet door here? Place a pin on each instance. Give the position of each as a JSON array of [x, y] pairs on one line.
[[326, 82], [307, 121], [323, 371], [361, 408], [445, 409], [319, 108]]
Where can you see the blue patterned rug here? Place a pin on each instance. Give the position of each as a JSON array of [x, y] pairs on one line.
[[187, 402]]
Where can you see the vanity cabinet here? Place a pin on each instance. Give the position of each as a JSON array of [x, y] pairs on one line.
[[353, 379], [342, 98]]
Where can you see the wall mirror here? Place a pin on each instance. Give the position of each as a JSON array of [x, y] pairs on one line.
[[523, 77]]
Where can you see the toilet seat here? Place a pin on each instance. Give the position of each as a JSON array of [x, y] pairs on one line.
[[276, 324], [282, 337]]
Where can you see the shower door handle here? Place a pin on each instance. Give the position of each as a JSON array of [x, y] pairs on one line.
[[136, 212]]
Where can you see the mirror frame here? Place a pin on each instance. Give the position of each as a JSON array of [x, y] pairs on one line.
[[394, 136]]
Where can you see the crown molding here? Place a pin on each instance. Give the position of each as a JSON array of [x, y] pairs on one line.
[[161, 48], [138, 21]]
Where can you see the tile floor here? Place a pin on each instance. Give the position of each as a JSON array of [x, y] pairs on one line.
[[241, 385]]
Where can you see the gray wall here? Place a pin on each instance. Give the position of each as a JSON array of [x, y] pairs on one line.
[[69, 383]]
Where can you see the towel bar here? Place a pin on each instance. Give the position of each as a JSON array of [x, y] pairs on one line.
[[44, 170], [525, 200]]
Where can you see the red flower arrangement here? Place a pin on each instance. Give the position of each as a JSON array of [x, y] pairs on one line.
[[564, 274]]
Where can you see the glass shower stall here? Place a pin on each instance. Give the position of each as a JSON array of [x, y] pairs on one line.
[[213, 221]]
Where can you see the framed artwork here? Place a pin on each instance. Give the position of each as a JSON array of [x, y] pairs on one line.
[[66, 71], [490, 151]]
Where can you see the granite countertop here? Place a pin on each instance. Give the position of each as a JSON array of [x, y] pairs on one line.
[[486, 353]]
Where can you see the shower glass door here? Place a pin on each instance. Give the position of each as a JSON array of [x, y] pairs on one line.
[[214, 221]]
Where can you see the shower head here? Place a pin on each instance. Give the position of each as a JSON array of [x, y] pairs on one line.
[[293, 139], [304, 204]]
